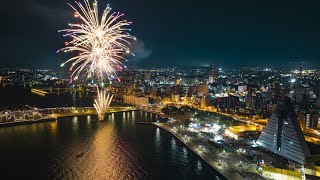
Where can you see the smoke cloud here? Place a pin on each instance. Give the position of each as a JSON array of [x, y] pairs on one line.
[[140, 51]]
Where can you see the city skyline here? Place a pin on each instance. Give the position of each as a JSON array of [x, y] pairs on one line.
[[188, 33], [119, 89]]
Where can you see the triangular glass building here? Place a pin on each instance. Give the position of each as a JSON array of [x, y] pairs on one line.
[[283, 136]]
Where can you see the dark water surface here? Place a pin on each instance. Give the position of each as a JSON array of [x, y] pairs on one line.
[[118, 148]]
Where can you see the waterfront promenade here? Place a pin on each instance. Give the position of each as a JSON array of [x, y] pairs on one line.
[[90, 111], [230, 165], [11, 118]]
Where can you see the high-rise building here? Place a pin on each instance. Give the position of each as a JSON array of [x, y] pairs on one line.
[[202, 89], [308, 119], [283, 136], [210, 79], [212, 72], [227, 102]]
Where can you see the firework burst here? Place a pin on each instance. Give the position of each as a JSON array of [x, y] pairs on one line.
[[100, 42]]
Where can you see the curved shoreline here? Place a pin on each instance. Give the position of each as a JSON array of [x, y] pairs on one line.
[[225, 176]]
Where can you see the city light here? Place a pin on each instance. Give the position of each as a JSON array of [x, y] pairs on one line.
[[227, 92]]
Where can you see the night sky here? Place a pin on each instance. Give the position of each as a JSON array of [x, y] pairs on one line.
[[174, 31]]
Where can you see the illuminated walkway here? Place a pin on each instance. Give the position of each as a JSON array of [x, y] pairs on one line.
[[228, 164], [48, 114]]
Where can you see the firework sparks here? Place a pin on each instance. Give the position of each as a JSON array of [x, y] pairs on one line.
[[100, 42], [102, 103]]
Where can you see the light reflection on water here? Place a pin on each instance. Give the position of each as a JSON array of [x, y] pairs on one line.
[[115, 149], [157, 141], [88, 120], [199, 165], [173, 144], [112, 117], [185, 152]]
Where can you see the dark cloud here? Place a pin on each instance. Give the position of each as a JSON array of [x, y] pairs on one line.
[[179, 31], [49, 11]]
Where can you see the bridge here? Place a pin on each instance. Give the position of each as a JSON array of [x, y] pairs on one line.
[[47, 91]]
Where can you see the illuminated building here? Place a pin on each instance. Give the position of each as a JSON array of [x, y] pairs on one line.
[[175, 97], [227, 102], [242, 88], [283, 136], [237, 132], [135, 100], [202, 89], [210, 80], [205, 102], [308, 119]]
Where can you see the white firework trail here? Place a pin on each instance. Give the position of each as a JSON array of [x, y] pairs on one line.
[[102, 103], [99, 43]]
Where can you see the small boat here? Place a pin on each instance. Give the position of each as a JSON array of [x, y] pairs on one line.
[[79, 155]]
